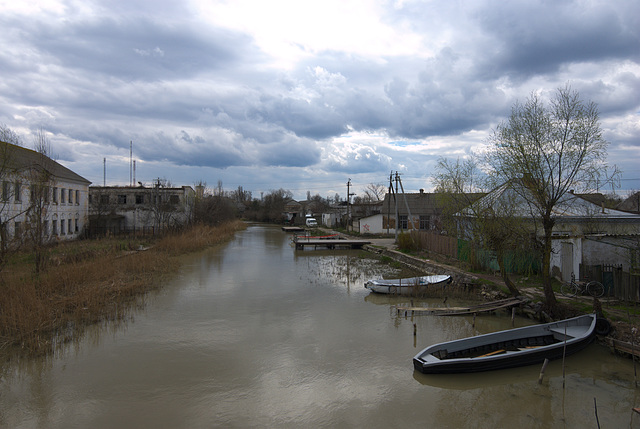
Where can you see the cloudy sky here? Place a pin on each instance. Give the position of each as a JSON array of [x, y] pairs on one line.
[[304, 95]]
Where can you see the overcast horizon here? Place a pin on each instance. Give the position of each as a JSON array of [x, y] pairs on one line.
[[305, 95]]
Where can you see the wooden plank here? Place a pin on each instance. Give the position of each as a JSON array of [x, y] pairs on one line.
[[622, 346], [452, 311], [492, 353]]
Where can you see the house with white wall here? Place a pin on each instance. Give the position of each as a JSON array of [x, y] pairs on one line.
[[584, 233], [64, 195]]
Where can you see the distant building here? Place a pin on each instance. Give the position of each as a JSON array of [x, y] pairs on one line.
[[62, 195], [135, 208]]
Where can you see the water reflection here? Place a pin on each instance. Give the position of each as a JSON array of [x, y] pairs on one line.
[[256, 334]]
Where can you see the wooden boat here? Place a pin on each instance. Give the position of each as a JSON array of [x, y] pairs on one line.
[[508, 349], [407, 286]]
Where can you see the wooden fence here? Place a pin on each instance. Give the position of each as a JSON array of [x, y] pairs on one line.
[[437, 243], [617, 283]]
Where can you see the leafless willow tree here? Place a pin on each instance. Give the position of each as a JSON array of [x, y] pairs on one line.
[[553, 148]]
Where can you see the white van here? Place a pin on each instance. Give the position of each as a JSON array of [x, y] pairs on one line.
[[311, 222]]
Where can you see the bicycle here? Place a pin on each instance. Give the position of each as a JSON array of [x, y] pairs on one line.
[[573, 288]]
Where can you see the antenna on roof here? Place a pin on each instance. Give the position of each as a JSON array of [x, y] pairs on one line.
[[130, 162], [104, 172]]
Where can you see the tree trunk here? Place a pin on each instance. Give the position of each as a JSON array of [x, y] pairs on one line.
[[550, 297], [507, 281]]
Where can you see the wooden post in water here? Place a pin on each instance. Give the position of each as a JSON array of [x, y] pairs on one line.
[[595, 406], [564, 353], [633, 355], [544, 366], [513, 316], [473, 325]]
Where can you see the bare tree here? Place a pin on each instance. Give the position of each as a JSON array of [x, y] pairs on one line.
[[10, 181], [40, 178], [492, 225], [374, 192], [552, 149]]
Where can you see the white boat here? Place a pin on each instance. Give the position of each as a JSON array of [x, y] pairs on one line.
[[408, 285]]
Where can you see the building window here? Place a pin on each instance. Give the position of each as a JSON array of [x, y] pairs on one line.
[[104, 199], [63, 193], [69, 228], [46, 194], [77, 198], [17, 230], [122, 199], [16, 192], [174, 199], [76, 226], [55, 195], [6, 190], [54, 227], [139, 199], [403, 222], [424, 222], [70, 196], [62, 227], [45, 228]]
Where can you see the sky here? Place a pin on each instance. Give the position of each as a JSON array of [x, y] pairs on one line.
[[301, 95]]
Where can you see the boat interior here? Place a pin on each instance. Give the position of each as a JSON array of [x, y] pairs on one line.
[[518, 344]]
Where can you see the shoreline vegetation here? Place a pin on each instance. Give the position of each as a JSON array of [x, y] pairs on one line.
[[89, 282]]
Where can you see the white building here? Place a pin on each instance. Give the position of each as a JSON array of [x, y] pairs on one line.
[[64, 204], [119, 209]]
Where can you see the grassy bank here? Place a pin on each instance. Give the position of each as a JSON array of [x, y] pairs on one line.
[[90, 281]]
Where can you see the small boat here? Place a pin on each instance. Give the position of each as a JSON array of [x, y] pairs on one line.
[[407, 286], [508, 349]]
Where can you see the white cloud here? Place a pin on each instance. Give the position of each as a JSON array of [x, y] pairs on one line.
[[304, 95]]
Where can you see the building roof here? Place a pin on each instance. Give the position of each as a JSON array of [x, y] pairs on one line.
[[422, 203], [570, 205], [631, 204], [19, 158]]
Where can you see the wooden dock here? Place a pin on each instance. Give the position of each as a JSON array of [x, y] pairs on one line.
[[292, 228], [329, 242], [459, 311], [623, 347]]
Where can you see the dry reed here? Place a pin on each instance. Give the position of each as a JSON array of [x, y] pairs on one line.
[[89, 282]]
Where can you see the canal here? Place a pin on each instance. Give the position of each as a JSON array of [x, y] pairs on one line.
[[256, 334]]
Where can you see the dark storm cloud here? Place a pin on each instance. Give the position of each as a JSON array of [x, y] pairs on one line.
[[532, 38], [133, 48]]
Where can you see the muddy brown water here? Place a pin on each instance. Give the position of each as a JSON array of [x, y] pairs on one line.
[[256, 334]]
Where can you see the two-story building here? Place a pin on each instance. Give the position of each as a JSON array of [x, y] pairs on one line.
[[136, 208], [33, 182]]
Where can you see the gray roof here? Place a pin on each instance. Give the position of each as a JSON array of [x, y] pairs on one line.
[[422, 203], [631, 204], [20, 158], [569, 206]]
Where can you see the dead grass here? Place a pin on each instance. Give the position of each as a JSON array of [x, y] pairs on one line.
[[88, 282]]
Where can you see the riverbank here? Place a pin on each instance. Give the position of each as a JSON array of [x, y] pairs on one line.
[[90, 281], [623, 317]]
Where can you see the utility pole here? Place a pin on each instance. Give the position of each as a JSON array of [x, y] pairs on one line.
[[349, 203], [396, 201]]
